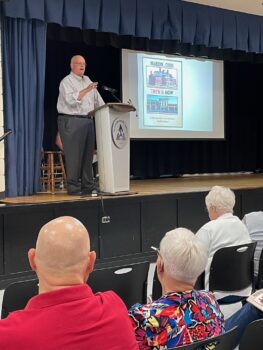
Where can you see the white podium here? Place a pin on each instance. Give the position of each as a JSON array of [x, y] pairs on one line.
[[113, 146]]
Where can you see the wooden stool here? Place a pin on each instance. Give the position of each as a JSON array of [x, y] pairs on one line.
[[52, 171]]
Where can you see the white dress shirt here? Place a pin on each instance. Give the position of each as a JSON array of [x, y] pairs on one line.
[[69, 89], [226, 231]]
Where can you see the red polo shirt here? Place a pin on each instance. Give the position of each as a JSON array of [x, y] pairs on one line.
[[71, 318]]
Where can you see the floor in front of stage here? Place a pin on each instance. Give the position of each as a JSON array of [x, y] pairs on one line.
[[183, 184]]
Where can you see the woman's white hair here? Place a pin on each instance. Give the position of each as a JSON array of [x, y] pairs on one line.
[[184, 255], [222, 198]]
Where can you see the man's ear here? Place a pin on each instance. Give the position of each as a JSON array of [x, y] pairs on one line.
[[92, 259], [31, 258]]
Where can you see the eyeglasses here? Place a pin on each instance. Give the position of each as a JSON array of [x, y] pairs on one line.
[[157, 250], [80, 63]]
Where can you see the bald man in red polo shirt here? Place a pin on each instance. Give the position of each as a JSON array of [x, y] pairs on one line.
[[66, 315]]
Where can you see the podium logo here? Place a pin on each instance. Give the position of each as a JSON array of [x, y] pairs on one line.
[[119, 133]]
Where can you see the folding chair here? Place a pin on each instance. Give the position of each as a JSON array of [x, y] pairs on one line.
[[128, 281], [259, 279], [17, 294], [232, 269], [252, 339], [224, 341]]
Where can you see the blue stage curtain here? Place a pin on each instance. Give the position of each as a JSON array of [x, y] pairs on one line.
[[187, 22], [24, 54]]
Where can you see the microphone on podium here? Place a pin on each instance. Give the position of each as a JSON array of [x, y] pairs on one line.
[[107, 88], [112, 91]]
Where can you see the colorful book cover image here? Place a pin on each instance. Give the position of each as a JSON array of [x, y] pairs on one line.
[[162, 93]]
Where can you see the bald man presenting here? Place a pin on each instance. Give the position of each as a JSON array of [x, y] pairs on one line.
[[78, 96], [66, 314]]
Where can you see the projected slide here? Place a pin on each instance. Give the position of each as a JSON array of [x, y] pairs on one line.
[[175, 97]]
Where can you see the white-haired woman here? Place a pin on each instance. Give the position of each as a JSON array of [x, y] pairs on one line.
[[223, 230], [182, 314]]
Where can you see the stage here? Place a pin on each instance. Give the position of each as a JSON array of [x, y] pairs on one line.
[[183, 184], [133, 222]]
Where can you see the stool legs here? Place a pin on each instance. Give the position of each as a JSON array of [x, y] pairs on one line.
[[62, 168], [52, 170]]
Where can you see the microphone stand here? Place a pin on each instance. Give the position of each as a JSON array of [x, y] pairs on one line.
[[116, 98], [5, 134], [112, 92]]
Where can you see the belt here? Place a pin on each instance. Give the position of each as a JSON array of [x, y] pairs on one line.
[[88, 116]]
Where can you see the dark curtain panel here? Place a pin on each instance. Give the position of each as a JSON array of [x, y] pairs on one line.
[[24, 48], [98, 39], [186, 22]]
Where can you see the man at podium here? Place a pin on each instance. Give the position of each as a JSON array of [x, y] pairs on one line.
[[78, 96]]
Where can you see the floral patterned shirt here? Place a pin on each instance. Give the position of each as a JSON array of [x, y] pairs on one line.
[[177, 319]]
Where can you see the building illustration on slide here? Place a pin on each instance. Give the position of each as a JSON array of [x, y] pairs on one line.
[[162, 104], [163, 78]]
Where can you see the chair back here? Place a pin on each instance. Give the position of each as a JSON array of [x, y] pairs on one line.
[[153, 286], [232, 268], [17, 294], [225, 341], [252, 338], [259, 279], [128, 281]]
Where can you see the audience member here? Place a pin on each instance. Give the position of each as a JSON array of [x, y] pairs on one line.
[[66, 314], [254, 223], [182, 315], [223, 230]]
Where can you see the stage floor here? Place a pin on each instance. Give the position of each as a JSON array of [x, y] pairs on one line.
[[184, 184]]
